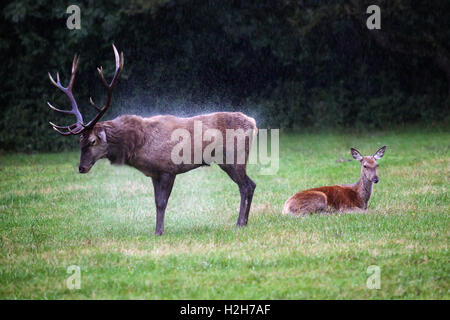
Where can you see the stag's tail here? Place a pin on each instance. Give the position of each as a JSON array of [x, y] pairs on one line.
[[255, 128]]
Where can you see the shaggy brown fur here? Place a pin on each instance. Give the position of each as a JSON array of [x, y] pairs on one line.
[[146, 144]]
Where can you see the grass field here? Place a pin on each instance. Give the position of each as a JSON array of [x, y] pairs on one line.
[[51, 217]]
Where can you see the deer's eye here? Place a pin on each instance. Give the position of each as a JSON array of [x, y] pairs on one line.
[[92, 143], [365, 166]]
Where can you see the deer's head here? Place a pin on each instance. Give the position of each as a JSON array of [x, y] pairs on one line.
[[369, 165], [94, 146], [93, 136]]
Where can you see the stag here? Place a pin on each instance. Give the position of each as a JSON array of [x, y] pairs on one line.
[[147, 144]]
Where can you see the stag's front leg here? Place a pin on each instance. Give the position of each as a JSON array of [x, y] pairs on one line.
[[163, 187]]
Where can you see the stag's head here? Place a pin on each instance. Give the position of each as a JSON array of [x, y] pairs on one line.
[[369, 165], [92, 134], [93, 147]]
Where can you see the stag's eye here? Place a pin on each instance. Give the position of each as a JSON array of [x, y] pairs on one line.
[[365, 166], [92, 143]]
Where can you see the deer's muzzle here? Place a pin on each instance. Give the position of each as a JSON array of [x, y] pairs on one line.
[[84, 169]]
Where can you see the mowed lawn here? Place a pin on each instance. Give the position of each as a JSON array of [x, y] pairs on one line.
[[51, 218]]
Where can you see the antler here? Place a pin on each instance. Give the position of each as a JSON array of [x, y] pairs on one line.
[[79, 126], [109, 87]]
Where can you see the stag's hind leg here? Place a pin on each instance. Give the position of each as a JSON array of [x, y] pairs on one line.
[[238, 174], [162, 187], [306, 202]]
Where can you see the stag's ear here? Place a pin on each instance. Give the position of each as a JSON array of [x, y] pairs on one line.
[[101, 134], [355, 154], [380, 153]]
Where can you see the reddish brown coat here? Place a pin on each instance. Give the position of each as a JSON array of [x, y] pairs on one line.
[[339, 197], [320, 199]]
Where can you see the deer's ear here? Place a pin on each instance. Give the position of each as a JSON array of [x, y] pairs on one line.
[[380, 153], [101, 134], [355, 154]]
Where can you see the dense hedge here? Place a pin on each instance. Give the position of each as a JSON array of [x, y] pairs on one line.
[[288, 63]]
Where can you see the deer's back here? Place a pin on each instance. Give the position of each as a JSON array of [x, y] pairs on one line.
[[340, 197], [155, 154], [217, 120]]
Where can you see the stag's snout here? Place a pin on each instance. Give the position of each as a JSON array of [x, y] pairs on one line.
[[375, 180], [84, 169]]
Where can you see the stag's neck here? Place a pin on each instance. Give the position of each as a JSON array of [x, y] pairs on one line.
[[364, 189], [125, 137]]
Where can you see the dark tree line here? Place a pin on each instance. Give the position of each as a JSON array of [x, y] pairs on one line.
[[288, 63]]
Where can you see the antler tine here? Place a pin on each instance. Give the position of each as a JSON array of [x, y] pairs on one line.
[[71, 129], [63, 127], [76, 59], [61, 132], [102, 77], [119, 66], [93, 104], [59, 110], [52, 81]]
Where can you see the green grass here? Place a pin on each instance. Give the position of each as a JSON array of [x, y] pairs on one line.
[[51, 217]]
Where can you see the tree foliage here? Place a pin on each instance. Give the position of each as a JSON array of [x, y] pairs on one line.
[[288, 63]]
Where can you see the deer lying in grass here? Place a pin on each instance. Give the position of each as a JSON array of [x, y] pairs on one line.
[[341, 198], [147, 144]]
